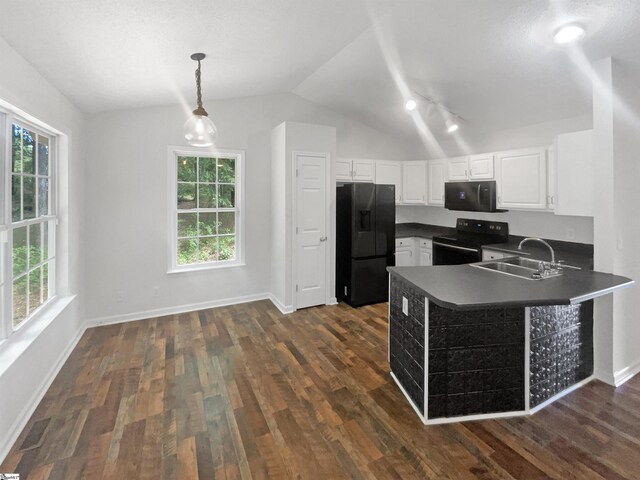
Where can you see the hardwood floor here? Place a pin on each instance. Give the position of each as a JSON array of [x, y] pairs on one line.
[[246, 392]]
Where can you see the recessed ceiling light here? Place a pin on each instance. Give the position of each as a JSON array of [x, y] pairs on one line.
[[569, 34], [452, 126], [410, 104]]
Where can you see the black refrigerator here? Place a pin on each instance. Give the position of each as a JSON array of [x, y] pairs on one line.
[[365, 242]]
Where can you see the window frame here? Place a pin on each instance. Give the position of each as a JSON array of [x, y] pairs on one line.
[[238, 156], [7, 226]]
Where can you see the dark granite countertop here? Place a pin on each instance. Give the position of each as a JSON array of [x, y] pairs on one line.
[[465, 287], [575, 254], [422, 230]]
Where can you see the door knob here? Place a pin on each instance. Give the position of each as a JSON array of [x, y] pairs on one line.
[[323, 239]]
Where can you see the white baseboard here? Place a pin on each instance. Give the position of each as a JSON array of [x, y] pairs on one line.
[[159, 312], [606, 377], [626, 373], [278, 304], [10, 437]]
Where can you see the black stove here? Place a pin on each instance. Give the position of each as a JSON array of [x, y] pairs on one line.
[[465, 246]]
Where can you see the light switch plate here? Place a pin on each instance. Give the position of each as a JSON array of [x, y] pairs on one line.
[[405, 306]]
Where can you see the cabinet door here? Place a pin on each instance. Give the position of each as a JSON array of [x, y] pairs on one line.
[[436, 178], [458, 169], [363, 170], [425, 257], [343, 170], [414, 182], [522, 179], [404, 257], [390, 173], [481, 167]]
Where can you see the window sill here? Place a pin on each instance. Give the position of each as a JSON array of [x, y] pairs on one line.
[[22, 337], [204, 268]]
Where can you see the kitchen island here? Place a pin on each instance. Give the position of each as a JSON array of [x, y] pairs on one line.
[[466, 343]]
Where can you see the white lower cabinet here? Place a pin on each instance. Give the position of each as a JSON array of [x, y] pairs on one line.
[[425, 252], [405, 252], [521, 176], [411, 252]]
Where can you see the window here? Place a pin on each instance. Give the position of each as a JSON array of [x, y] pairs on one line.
[[28, 256], [206, 209]]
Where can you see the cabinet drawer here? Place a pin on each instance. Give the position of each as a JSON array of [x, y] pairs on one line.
[[492, 255], [404, 242]]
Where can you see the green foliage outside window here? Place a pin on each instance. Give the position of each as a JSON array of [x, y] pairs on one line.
[[205, 185]]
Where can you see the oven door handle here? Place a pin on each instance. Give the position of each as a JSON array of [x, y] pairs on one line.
[[455, 247]]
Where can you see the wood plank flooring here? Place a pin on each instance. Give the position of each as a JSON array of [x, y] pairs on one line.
[[246, 392]]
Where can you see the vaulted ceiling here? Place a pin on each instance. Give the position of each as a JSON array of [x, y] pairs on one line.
[[492, 61]]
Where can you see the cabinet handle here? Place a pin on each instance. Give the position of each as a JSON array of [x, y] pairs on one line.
[[465, 173], [551, 199]]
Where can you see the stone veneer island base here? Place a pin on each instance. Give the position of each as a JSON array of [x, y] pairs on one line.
[[488, 359]]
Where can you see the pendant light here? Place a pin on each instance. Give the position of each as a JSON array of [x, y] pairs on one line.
[[199, 130]]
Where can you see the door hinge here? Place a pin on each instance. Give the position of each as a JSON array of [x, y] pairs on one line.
[[297, 230], [296, 288], [297, 172]]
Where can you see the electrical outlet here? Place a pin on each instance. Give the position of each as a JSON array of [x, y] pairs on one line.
[[119, 296], [156, 291], [405, 306], [571, 233]]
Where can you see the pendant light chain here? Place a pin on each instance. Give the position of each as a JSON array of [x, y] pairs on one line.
[[198, 89]]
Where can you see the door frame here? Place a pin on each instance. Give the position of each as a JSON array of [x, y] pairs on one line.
[[329, 200]]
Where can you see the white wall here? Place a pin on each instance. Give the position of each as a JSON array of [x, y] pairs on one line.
[[616, 124], [127, 203], [299, 137], [537, 224], [30, 358], [541, 134]]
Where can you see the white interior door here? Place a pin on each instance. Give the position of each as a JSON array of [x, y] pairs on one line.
[[311, 222]]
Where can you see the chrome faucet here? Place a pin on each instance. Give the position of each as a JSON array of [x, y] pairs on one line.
[[533, 239]]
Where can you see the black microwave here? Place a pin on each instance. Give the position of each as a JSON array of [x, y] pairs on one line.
[[471, 196]]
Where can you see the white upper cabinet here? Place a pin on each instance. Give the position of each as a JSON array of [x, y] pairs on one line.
[[364, 170], [474, 167], [356, 170], [390, 173], [574, 174], [481, 167], [522, 179], [343, 170], [458, 169], [414, 182], [436, 176]]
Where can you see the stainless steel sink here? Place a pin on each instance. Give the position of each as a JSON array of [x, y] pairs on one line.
[[521, 267], [522, 262]]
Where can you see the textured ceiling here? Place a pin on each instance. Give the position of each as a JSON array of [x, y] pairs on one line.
[[490, 61]]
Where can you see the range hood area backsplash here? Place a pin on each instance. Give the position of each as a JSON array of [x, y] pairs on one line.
[[536, 224]]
